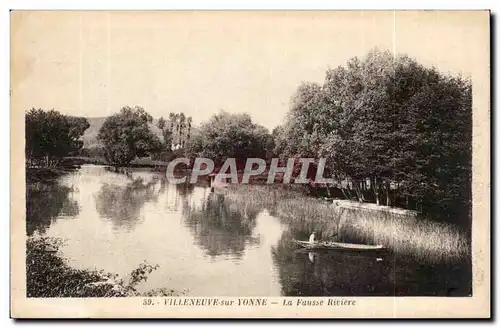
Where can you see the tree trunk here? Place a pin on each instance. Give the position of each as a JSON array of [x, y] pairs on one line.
[[374, 186], [55, 162], [358, 191], [343, 192], [349, 190], [328, 191], [387, 193]]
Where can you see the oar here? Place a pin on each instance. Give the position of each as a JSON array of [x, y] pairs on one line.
[[334, 235]]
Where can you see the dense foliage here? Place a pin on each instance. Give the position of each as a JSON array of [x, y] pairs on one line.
[[127, 135], [176, 133], [230, 135], [51, 135], [387, 126]]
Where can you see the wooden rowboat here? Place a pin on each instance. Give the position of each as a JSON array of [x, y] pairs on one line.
[[336, 245]]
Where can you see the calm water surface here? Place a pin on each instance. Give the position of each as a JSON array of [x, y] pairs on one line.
[[209, 247]]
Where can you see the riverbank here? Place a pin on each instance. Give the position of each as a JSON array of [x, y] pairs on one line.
[[138, 162], [422, 239], [48, 275], [45, 174]]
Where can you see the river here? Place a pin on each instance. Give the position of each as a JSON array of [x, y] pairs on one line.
[[113, 222]]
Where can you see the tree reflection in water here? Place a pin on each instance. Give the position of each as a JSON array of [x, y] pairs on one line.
[[182, 193], [220, 226], [122, 204], [46, 202]]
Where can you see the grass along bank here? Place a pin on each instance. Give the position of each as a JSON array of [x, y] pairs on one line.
[[421, 239]]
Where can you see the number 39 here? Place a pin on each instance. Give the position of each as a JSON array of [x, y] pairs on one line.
[[147, 301]]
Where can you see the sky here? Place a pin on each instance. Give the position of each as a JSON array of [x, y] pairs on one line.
[[93, 63]]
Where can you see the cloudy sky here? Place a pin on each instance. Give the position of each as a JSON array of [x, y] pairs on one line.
[[93, 63]]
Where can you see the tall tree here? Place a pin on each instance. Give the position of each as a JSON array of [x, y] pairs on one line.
[[182, 125], [51, 135], [127, 135], [189, 122], [177, 133], [230, 135], [166, 133]]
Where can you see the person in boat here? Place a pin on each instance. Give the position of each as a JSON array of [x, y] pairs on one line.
[[312, 239]]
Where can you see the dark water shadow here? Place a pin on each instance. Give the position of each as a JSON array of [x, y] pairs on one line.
[[347, 273], [46, 202]]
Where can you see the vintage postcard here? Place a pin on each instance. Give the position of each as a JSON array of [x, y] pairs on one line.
[[258, 164]]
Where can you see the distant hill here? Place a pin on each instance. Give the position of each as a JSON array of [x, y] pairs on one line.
[[90, 136]]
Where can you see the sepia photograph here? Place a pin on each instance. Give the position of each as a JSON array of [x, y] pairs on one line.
[[250, 164]]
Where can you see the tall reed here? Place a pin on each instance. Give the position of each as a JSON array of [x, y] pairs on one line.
[[421, 239]]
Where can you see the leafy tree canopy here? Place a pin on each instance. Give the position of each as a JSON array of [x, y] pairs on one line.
[[51, 135], [389, 120], [127, 135], [230, 135]]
